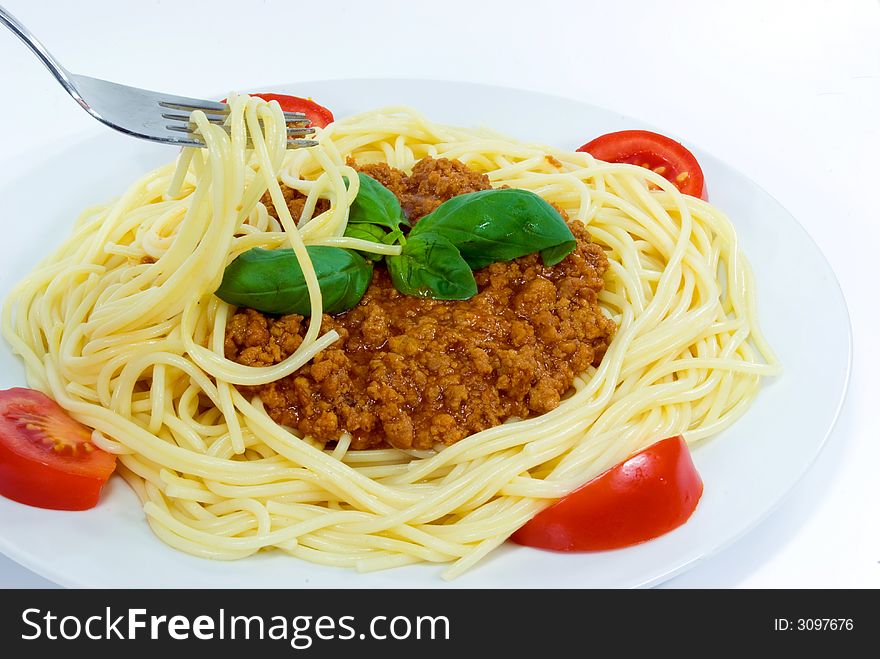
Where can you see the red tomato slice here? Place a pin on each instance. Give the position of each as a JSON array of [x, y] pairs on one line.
[[47, 459], [647, 495], [652, 151], [318, 115]]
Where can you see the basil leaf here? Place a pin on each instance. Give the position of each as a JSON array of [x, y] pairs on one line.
[[500, 225], [375, 204], [393, 237], [553, 255], [430, 266], [272, 281], [371, 232]]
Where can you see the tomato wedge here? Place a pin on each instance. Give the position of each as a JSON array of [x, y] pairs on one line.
[[47, 459], [647, 495], [652, 151], [318, 115]]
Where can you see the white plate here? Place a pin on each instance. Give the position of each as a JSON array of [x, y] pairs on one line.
[[747, 470]]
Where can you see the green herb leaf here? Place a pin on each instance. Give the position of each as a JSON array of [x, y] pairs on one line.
[[394, 237], [431, 266], [272, 281], [553, 255], [500, 225], [372, 232], [375, 204]]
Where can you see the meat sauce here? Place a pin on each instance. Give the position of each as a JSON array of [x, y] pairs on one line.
[[413, 372]]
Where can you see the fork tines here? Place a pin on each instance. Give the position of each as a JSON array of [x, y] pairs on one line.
[[190, 127], [222, 109], [191, 131], [216, 113]]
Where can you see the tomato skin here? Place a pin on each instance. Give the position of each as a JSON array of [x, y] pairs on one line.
[[47, 458], [643, 497], [318, 115], [644, 148]]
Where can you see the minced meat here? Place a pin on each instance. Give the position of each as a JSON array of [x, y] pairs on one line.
[[296, 202], [414, 372]]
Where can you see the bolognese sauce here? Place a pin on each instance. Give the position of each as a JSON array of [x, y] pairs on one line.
[[414, 372]]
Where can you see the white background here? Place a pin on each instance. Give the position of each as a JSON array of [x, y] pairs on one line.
[[786, 92]]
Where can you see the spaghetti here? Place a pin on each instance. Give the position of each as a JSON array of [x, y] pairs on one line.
[[121, 327]]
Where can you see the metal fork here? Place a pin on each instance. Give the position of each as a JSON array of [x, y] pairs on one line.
[[139, 112]]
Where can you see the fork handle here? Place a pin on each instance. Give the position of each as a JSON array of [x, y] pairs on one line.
[[60, 73]]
